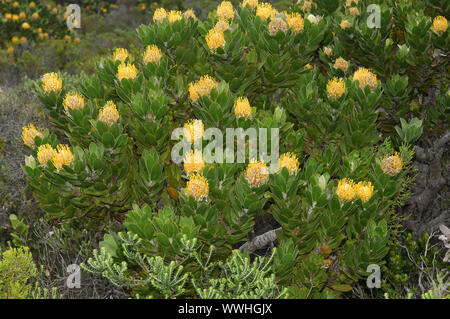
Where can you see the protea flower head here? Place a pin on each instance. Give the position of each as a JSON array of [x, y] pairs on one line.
[[51, 82], [290, 162], [197, 187], [257, 173], [29, 132], [346, 190]]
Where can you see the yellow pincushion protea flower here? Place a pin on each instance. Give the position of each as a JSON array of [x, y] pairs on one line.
[[64, 156], [328, 51], [215, 39], [392, 165], [51, 82], [335, 87], [32, 4], [159, 15], [193, 162], [121, 54], [197, 187], [251, 3], [341, 64], [295, 22], [26, 26], [289, 161], [364, 190], [109, 114], [365, 78], [265, 11], [345, 24], [440, 24], [222, 25], [277, 24], [45, 153], [189, 14], [346, 190], [257, 173], [202, 87], [126, 71], [152, 54], [174, 15], [73, 101], [354, 11], [242, 108], [193, 130], [225, 10], [29, 132]]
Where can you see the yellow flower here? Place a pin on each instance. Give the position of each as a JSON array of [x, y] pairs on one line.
[[193, 130], [32, 4], [51, 82], [306, 7], [354, 11], [277, 24], [341, 64], [222, 25], [257, 173], [15, 39], [73, 101], [252, 3], [29, 133], [335, 87], [295, 22], [265, 11], [328, 51], [202, 87], [189, 14], [152, 54], [242, 108], [22, 15], [15, 4], [126, 71], [225, 10], [364, 190], [62, 157], [159, 15], [193, 162], [35, 16], [440, 24], [215, 39], [108, 113], [197, 187], [345, 24], [120, 54], [15, 17], [10, 50], [45, 153], [77, 40], [392, 165], [308, 66], [289, 161], [67, 37], [174, 16], [346, 190], [365, 78], [8, 16], [23, 39]]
